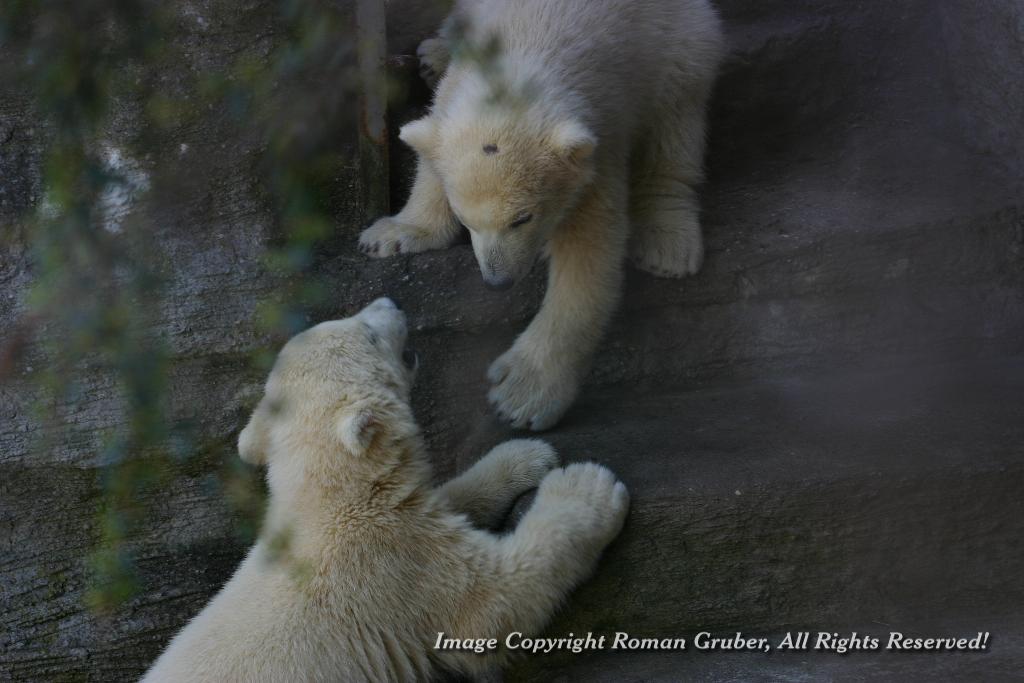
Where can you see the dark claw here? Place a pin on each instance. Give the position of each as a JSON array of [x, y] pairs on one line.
[[398, 247]]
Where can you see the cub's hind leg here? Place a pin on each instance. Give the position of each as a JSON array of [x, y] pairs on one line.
[[665, 233]]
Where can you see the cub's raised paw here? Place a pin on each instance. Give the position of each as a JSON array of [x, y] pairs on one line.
[[433, 56], [388, 237], [592, 491], [529, 394]]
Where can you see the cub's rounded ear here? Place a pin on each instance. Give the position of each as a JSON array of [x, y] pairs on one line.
[[419, 134], [573, 142], [254, 440], [357, 427]]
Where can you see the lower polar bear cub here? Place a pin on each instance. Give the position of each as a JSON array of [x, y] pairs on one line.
[[377, 561], [579, 136]]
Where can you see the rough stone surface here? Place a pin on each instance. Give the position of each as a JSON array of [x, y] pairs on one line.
[[855, 497], [849, 360]]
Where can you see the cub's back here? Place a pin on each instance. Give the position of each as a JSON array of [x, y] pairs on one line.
[[628, 37]]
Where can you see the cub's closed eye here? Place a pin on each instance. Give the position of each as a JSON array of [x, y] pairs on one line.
[[522, 219], [372, 336]]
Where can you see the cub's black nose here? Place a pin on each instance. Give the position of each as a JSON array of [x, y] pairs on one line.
[[498, 283]]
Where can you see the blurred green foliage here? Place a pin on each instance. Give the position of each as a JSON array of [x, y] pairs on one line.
[[98, 284]]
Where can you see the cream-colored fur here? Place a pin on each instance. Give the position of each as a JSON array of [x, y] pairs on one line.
[[588, 118], [361, 562]]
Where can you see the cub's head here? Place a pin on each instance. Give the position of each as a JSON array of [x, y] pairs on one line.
[[510, 177], [338, 391]]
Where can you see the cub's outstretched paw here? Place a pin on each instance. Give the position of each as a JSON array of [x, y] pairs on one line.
[[388, 236], [592, 492], [529, 393]]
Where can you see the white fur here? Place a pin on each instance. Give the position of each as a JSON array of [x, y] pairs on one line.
[[361, 562], [596, 109]]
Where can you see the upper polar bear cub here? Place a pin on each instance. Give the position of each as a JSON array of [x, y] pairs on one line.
[[377, 561], [581, 137]]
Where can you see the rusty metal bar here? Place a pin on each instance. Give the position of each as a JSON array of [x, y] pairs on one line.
[[373, 128]]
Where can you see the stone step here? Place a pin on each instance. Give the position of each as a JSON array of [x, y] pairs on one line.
[[935, 292]]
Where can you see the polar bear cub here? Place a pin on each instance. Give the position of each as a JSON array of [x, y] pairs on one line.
[[376, 561], [579, 136]]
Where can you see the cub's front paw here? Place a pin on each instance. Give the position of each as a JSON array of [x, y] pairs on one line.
[[520, 464], [388, 236], [527, 392], [434, 57], [591, 492]]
